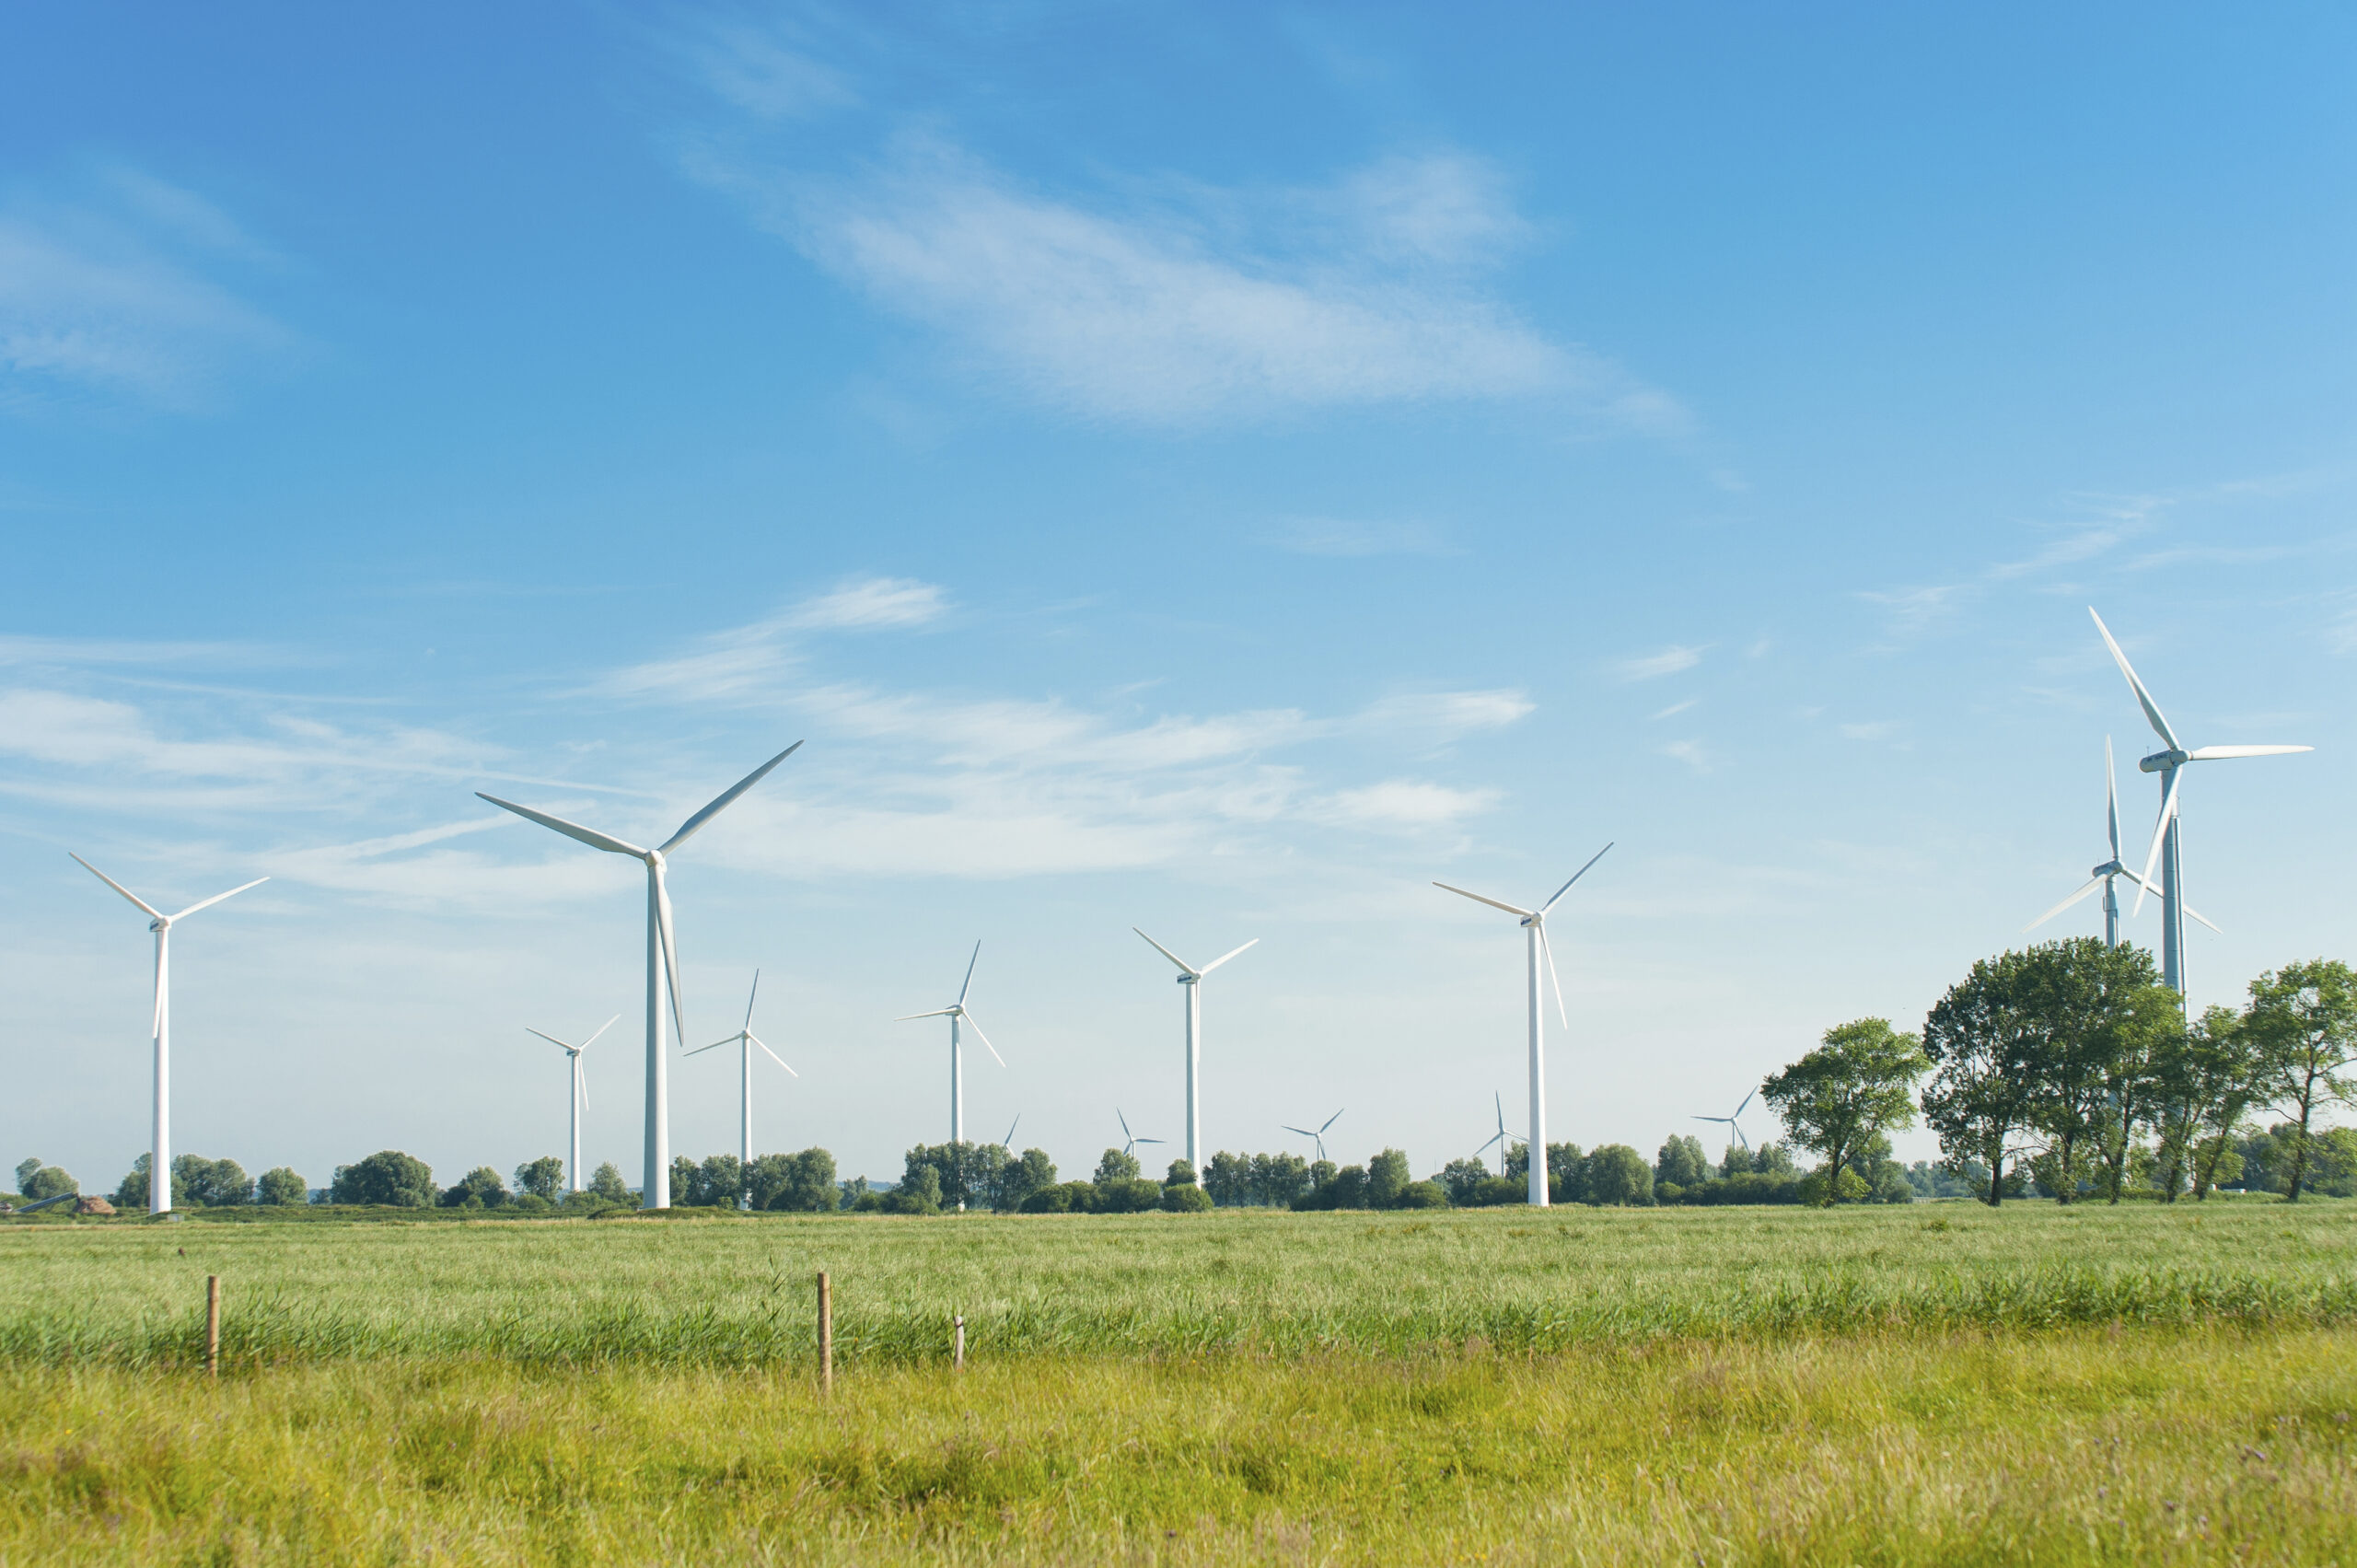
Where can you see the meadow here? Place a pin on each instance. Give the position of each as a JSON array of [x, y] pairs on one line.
[[1910, 1384]]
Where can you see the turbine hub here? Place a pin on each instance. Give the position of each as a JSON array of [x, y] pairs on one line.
[[2160, 761], [159, 924], [1188, 979]]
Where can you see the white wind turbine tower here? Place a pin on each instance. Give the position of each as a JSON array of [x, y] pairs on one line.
[[160, 1155], [580, 1094], [1535, 922], [2103, 876], [956, 1014], [2165, 834], [662, 960], [747, 1040], [1193, 979], [1318, 1136]]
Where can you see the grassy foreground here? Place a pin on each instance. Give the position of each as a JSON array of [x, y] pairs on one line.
[[738, 1292], [2082, 1446]]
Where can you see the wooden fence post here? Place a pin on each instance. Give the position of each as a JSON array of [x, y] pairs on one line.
[[213, 1325], [958, 1355], [826, 1335]]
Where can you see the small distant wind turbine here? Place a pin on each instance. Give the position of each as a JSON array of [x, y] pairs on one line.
[[746, 1040], [2165, 848], [1535, 921], [955, 1012], [1318, 1137], [1192, 978], [160, 1155], [1130, 1140], [662, 960], [580, 1096], [2103, 875], [1731, 1121], [1500, 1138], [1008, 1142]]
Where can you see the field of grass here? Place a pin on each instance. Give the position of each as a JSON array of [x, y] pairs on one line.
[[737, 1291], [1925, 1385]]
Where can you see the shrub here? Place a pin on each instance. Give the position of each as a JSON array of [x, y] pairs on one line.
[[1135, 1195], [1181, 1173], [390, 1177], [1186, 1197], [1386, 1177], [542, 1177], [1115, 1165], [1618, 1175], [1422, 1195], [796, 1184], [1494, 1190], [532, 1204], [48, 1181], [479, 1188], [281, 1186], [1051, 1200], [607, 1183]]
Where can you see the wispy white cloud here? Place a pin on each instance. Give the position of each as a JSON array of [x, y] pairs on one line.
[[1651, 666], [761, 72], [1674, 708], [753, 659], [1405, 803], [1445, 714], [1201, 306], [114, 293], [1689, 752]]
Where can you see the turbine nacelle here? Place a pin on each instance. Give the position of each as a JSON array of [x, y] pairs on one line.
[[2161, 761]]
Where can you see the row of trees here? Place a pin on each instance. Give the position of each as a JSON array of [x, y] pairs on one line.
[[2049, 1067]]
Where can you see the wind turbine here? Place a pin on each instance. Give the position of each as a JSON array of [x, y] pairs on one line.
[[2103, 875], [1318, 1137], [1130, 1140], [2165, 833], [747, 1040], [1500, 1138], [580, 1091], [1535, 921], [955, 1012], [1732, 1123], [662, 960], [1008, 1142], [160, 1155], [1192, 978]]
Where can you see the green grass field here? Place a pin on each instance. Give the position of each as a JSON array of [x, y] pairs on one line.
[[1926, 1384]]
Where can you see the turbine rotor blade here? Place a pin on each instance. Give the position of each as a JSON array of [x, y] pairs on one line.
[[716, 1045], [1330, 1120], [1549, 948], [984, 1038], [153, 912], [773, 1055], [2196, 914], [2160, 832], [552, 1039], [937, 1013], [749, 996], [581, 1080], [216, 899], [589, 836], [585, 1044], [1748, 1100], [722, 802], [1575, 877], [1166, 952], [2110, 798], [967, 984], [2151, 709], [1493, 903], [670, 948], [2219, 753], [1224, 956], [2066, 903], [1302, 1131]]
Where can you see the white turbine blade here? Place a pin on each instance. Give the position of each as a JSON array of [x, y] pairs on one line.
[[984, 1038], [1153, 1140], [721, 803], [1740, 1137], [937, 1013], [1330, 1120], [2110, 798], [552, 1039], [1008, 1142], [1167, 952], [1746, 1101], [2205, 920], [2152, 710], [610, 1023], [1224, 956], [2066, 903], [217, 898], [589, 836], [2219, 753], [1729, 1120], [670, 951], [1302, 1131], [1493, 903], [584, 1082], [1124, 1121], [2160, 832], [1549, 948], [968, 983], [1575, 877], [772, 1055], [749, 996], [716, 1045], [153, 912]]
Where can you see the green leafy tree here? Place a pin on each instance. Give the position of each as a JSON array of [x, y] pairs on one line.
[[213, 1183], [607, 1183], [1278, 1178], [1387, 1175], [479, 1188], [1427, 1194], [1115, 1165], [387, 1176], [1181, 1173], [2205, 1080], [918, 1193], [281, 1186], [1185, 1198], [801, 1183], [1034, 1172], [2148, 1034], [1981, 1040], [719, 1183], [1681, 1160], [2086, 1008], [1462, 1178], [2304, 1019], [542, 1177], [1619, 1176], [132, 1193], [1566, 1172], [1855, 1088], [36, 1181]]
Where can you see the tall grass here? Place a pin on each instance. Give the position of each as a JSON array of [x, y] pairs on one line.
[[2144, 1446], [737, 1292]]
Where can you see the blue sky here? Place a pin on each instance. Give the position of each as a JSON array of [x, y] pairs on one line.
[[1214, 468]]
